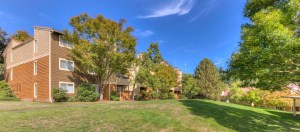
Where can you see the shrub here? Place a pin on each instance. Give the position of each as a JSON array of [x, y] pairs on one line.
[[60, 95], [138, 97], [164, 96], [5, 90], [73, 99], [86, 93], [114, 96], [171, 95], [154, 95]]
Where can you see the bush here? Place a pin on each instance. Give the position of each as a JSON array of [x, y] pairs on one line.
[[164, 96], [138, 97], [73, 99], [60, 95], [154, 95], [5, 91], [171, 95], [114, 96], [86, 93]]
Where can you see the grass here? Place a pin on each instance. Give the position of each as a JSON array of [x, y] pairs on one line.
[[165, 115]]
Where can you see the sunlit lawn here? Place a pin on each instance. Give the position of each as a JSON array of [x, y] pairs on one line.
[[167, 115]]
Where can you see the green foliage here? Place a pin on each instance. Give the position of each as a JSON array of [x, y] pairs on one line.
[[59, 95], [154, 95], [114, 96], [101, 46], [190, 86], [254, 96], [73, 99], [138, 97], [21, 36], [172, 95], [5, 91], [164, 96], [269, 57], [154, 73], [236, 95], [86, 93], [209, 80]]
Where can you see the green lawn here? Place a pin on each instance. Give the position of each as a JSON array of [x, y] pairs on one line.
[[167, 115]]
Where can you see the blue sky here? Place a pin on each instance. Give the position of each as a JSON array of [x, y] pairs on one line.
[[187, 30]]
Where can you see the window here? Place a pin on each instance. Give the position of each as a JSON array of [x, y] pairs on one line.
[[68, 86], [11, 73], [64, 43], [66, 65], [35, 92], [35, 68], [11, 56], [35, 46]]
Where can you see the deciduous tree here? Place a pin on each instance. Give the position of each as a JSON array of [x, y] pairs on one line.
[[102, 48], [269, 54], [21, 36], [190, 86]]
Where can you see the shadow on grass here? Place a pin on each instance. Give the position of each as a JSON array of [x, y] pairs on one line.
[[244, 118]]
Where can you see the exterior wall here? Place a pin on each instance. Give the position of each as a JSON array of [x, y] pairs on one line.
[[22, 65], [23, 80], [56, 53]]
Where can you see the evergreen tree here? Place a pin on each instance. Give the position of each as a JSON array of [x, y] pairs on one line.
[[209, 80], [190, 86], [154, 53]]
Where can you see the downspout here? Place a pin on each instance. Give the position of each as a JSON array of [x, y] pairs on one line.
[[50, 89]]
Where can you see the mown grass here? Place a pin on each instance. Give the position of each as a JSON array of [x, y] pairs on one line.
[[164, 115]]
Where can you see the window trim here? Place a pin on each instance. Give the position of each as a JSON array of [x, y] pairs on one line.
[[35, 90], [60, 82], [64, 68], [35, 46], [35, 68], [11, 73], [60, 44]]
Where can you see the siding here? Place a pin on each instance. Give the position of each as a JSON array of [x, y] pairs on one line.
[[56, 53], [23, 80]]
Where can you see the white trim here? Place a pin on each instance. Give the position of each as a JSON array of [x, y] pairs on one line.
[[60, 59], [59, 42], [35, 46], [11, 73], [50, 87], [35, 90], [35, 68], [60, 82]]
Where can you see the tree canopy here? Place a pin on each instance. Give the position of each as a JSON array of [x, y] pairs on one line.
[[269, 53], [102, 48], [21, 36], [190, 86]]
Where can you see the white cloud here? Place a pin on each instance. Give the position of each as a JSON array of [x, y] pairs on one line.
[[177, 7], [205, 11], [44, 16], [145, 33]]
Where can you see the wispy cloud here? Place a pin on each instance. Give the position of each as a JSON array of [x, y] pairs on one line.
[[209, 6], [145, 33], [44, 16], [176, 7]]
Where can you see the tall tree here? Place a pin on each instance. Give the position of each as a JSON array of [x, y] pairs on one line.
[[21, 36], [154, 72], [154, 53], [269, 54], [102, 48], [190, 86], [209, 80], [3, 43]]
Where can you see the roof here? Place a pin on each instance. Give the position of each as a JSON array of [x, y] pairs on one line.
[[293, 97], [48, 29]]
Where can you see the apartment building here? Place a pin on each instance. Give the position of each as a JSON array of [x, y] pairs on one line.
[[34, 67]]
